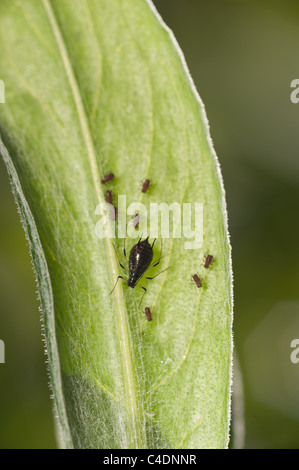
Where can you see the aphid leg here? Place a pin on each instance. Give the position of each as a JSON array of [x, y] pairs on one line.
[[141, 287], [119, 277], [125, 254], [121, 265]]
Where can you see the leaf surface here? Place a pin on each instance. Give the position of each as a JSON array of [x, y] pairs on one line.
[[92, 87]]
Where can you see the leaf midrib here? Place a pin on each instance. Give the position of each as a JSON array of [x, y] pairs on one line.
[[137, 439]]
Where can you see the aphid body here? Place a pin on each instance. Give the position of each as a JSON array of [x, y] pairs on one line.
[[136, 219], [197, 280], [148, 313], [140, 258], [208, 261], [109, 199], [107, 178], [108, 196], [145, 186]]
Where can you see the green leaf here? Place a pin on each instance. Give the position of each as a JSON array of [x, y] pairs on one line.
[[94, 86]]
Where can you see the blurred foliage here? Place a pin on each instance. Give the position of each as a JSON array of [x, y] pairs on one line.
[[242, 55], [25, 404]]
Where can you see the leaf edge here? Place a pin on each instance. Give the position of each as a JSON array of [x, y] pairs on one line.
[[46, 300]]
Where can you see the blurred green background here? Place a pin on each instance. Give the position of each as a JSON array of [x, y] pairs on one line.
[[242, 55]]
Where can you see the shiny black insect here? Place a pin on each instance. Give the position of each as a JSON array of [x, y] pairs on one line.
[[141, 256], [148, 313], [208, 261], [197, 280], [140, 260]]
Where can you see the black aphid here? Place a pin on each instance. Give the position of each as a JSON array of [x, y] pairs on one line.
[[140, 260]]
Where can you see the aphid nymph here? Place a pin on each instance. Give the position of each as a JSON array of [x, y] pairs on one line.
[[136, 219], [109, 199], [148, 313], [145, 186], [208, 261], [197, 280], [107, 178]]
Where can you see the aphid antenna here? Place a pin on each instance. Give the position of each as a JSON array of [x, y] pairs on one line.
[[145, 290], [121, 265], [157, 261]]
